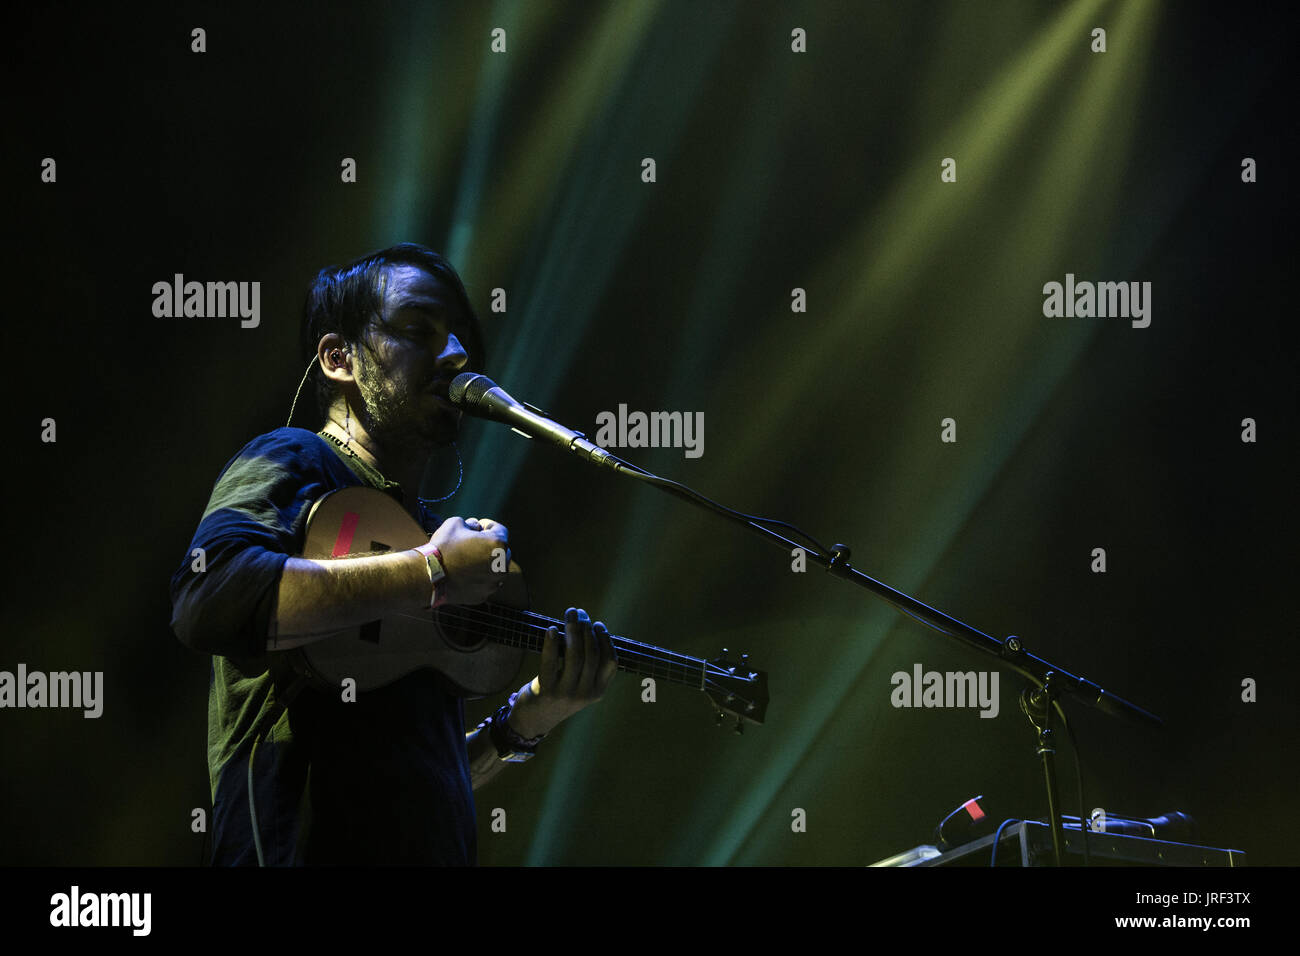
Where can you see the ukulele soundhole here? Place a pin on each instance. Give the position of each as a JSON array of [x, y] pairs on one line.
[[457, 627]]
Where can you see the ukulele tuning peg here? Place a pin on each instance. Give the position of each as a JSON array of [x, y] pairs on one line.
[[740, 726], [721, 718]]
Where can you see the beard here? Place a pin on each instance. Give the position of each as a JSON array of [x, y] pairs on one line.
[[399, 419]]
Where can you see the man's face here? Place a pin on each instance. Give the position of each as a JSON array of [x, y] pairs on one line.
[[414, 354]]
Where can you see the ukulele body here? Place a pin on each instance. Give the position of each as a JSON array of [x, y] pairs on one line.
[[360, 520], [475, 651]]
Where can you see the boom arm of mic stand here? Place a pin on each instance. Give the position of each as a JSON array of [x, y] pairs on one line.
[[1010, 652], [1052, 681]]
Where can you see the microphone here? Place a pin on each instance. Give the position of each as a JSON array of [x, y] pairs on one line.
[[483, 398]]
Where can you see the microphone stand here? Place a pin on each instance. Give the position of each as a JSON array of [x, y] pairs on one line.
[[1050, 682], [481, 396]]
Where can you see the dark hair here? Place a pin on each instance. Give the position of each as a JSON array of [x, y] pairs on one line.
[[347, 299]]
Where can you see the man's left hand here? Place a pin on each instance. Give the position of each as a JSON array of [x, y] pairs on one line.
[[569, 681]]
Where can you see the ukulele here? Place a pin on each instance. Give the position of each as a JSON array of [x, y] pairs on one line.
[[476, 650]]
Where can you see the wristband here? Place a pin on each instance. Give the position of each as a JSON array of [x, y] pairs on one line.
[[437, 576]]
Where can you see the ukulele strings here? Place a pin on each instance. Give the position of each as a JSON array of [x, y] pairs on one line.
[[509, 623], [505, 626]]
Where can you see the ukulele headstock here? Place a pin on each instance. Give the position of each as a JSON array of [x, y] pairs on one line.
[[736, 688]]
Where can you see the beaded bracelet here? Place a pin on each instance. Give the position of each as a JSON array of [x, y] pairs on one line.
[[510, 746]]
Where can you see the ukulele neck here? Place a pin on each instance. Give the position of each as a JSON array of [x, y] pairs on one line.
[[527, 630]]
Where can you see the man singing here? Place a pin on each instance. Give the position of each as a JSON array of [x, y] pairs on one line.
[[299, 776]]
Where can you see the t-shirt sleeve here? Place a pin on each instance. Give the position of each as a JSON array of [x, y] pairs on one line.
[[255, 519]]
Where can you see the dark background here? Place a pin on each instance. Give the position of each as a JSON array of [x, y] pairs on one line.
[[775, 170]]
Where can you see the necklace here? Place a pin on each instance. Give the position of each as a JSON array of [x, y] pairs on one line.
[[385, 483], [368, 469]]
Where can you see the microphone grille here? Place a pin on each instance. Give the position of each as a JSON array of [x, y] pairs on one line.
[[468, 387]]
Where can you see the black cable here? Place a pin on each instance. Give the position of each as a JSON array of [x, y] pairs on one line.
[[252, 803], [1078, 779], [695, 495]]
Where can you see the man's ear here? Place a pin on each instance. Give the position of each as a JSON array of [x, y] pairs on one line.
[[335, 357]]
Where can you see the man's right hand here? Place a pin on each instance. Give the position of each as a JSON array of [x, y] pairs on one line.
[[475, 555]]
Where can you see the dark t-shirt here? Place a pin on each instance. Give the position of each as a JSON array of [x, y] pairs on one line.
[[384, 779]]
